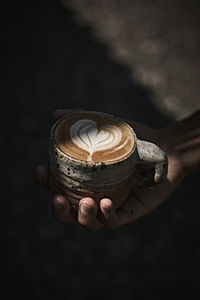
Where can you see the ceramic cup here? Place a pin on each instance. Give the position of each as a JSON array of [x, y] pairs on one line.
[[143, 165]]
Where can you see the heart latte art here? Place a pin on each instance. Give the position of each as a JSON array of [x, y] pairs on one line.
[[95, 138], [85, 135]]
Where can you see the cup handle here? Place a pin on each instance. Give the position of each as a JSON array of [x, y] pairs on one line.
[[152, 164]]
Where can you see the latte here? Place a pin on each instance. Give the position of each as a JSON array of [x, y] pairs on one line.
[[93, 154], [95, 137]]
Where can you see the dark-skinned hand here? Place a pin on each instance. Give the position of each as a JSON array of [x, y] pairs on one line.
[[181, 142]]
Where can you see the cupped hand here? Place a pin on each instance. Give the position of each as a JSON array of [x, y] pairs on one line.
[[182, 161]]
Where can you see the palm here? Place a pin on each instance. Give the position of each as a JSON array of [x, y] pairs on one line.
[[143, 201], [183, 151]]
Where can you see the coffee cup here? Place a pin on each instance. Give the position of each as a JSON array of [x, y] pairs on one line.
[[97, 155]]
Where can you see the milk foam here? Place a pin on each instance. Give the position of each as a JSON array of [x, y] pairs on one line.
[[85, 134]]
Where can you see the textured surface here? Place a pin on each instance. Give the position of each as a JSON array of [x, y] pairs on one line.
[[158, 40], [49, 61]]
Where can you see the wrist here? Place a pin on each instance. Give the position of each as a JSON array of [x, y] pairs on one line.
[[182, 141]]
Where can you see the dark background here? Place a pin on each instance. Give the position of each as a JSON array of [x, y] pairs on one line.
[[50, 62]]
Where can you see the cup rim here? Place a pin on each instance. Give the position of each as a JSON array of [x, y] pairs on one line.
[[55, 125]]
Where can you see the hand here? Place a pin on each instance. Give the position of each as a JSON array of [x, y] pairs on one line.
[[181, 142]]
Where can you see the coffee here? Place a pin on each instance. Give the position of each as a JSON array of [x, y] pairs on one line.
[[93, 154], [95, 137]]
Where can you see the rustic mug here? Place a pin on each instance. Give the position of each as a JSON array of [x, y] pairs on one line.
[[97, 155]]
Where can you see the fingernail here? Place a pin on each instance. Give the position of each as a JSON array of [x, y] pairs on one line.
[[86, 210]]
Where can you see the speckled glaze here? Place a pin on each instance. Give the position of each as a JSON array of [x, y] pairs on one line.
[[146, 165]]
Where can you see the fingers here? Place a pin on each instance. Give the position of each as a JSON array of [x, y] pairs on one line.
[[59, 113], [87, 214], [113, 218], [41, 176], [61, 210], [109, 215]]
